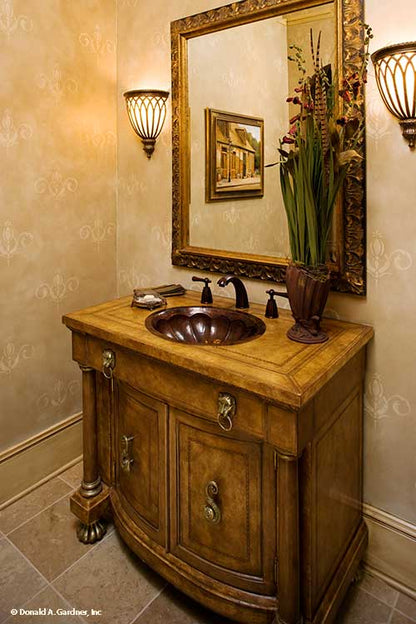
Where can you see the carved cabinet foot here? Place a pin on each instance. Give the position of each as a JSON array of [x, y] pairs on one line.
[[91, 512], [91, 533]]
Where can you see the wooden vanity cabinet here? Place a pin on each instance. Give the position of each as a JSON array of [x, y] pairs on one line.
[[257, 517]]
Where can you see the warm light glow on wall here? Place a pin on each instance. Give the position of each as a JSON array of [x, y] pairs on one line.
[[147, 113], [395, 68]]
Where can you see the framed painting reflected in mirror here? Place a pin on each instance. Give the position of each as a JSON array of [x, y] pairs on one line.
[[234, 156]]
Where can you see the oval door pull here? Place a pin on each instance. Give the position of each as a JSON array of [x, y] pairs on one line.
[[227, 407], [125, 460], [212, 512]]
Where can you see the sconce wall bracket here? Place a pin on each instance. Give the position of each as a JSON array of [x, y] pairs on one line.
[[408, 127], [149, 146]]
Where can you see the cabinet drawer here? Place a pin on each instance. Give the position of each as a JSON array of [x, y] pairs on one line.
[[140, 453], [174, 385], [223, 506]]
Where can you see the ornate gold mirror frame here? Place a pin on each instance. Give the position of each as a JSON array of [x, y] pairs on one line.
[[350, 274]]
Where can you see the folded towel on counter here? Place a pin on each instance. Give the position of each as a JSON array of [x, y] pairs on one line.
[[170, 290]]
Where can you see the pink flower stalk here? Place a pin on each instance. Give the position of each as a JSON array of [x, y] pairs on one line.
[[294, 119]]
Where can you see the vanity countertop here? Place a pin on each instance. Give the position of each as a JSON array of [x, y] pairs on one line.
[[271, 366]]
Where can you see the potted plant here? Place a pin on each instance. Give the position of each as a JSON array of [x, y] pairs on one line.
[[314, 158]]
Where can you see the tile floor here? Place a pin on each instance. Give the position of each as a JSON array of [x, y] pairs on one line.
[[43, 566]]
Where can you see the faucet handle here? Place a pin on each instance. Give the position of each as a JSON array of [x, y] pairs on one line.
[[271, 306], [206, 296]]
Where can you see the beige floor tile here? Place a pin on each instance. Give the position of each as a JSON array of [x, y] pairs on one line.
[[407, 606], [379, 589], [73, 475], [174, 607], [18, 580], [55, 610], [31, 504], [49, 540], [399, 618], [110, 579], [359, 607]]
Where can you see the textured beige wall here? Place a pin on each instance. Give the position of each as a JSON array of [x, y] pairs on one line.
[[58, 214], [57, 198], [144, 236], [390, 405]]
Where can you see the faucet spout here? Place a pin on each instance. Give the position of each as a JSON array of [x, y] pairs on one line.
[[241, 298]]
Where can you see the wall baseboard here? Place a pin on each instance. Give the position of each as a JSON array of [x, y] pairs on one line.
[[32, 462], [391, 553]]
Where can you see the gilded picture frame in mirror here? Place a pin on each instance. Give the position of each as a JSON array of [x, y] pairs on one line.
[[347, 257], [234, 156]]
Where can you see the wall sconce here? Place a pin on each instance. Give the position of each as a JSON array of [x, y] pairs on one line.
[[395, 68], [147, 112]]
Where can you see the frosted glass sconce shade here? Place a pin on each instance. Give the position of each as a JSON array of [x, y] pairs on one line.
[[147, 113], [395, 68]]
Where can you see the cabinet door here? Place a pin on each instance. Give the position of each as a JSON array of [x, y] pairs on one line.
[[223, 504], [141, 424]]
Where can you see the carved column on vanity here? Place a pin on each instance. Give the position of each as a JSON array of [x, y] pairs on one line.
[[91, 482], [288, 539], [90, 501]]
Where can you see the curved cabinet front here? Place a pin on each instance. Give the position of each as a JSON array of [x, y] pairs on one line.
[[140, 435], [223, 516]]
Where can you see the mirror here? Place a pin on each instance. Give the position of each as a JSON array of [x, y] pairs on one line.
[[230, 81]]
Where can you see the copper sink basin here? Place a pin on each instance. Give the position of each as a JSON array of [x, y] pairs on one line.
[[199, 325]]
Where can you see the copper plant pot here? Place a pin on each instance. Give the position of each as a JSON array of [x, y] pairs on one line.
[[308, 291]]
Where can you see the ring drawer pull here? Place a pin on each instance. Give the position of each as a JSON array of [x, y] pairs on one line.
[[227, 406], [126, 460], [109, 362], [212, 512]]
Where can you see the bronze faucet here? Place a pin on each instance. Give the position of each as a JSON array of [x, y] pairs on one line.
[[241, 299]]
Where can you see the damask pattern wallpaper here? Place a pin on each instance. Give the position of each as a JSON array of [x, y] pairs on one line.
[[69, 237], [57, 198], [144, 212]]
